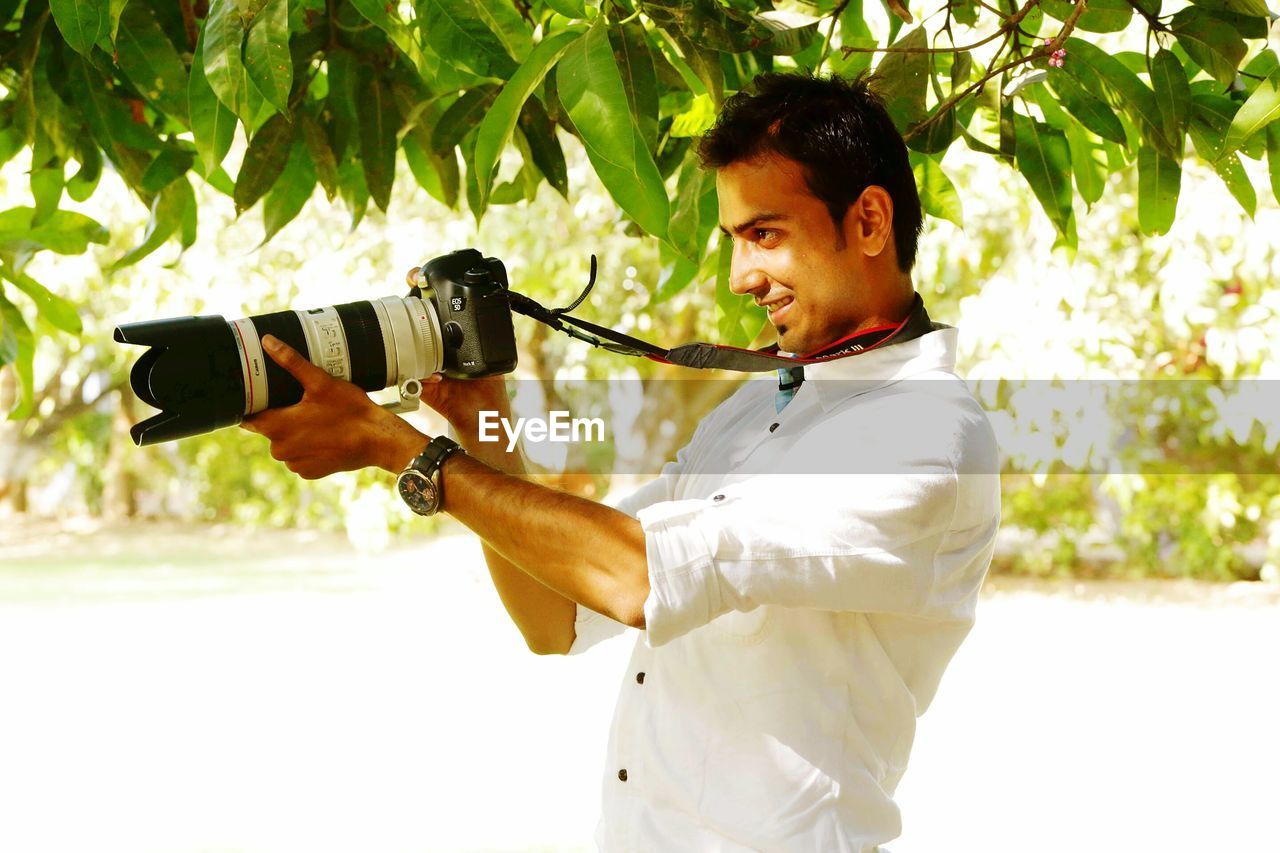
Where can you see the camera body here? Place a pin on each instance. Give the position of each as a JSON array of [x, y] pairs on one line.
[[469, 294]]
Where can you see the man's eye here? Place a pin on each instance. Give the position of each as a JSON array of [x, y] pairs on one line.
[[765, 235]]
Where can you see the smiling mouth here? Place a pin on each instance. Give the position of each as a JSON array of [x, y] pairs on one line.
[[778, 310]]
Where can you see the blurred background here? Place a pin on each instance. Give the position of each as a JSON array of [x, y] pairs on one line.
[[201, 651]]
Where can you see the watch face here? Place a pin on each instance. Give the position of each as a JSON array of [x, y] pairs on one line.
[[418, 492]]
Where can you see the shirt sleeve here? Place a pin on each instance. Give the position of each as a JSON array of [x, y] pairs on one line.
[[590, 627], [844, 543]]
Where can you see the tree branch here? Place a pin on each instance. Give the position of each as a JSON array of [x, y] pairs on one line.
[[1044, 50], [189, 22], [1152, 20], [1010, 23]]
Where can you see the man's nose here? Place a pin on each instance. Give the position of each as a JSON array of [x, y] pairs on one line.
[[745, 275]]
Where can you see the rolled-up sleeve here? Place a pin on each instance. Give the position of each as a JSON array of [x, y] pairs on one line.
[[590, 627], [851, 543]]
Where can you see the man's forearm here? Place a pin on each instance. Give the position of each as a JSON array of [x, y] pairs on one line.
[[545, 617], [584, 551]]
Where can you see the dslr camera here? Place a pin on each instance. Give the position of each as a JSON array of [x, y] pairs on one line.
[[204, 373]]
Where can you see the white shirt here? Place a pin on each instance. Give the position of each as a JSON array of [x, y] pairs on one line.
[[809, 584]]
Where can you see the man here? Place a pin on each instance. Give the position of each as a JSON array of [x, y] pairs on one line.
[[805, 569]]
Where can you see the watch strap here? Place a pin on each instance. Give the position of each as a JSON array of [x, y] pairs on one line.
[[439, 449]]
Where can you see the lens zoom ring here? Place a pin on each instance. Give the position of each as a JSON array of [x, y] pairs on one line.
[[364, 344]]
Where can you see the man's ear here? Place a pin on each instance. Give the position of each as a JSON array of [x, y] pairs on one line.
[[869, 222]]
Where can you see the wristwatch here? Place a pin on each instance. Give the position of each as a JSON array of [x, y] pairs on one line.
[[420, 484]]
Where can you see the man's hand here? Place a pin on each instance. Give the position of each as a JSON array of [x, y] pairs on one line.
[[461, 400], [334, 427]]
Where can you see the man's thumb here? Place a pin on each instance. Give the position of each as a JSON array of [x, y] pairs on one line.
[[307, 374]]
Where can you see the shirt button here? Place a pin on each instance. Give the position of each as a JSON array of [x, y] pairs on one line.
[[639, 678], [772, 427], [622, 775], [718, 498]]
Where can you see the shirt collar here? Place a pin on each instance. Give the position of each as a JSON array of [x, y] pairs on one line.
[[837, 380]]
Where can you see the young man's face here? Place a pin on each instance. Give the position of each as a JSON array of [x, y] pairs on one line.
[[789, 255]]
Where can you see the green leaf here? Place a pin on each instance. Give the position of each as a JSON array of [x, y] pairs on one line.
[[187, 230], [1262, 108], [544, 145], [591, 91], [790, 32], [902, 79], [462, 117], [266, 54], [1273, 158], [571, 9], [1159, 183], [1101, 16], [322, 158], [8, 339], [64, 233], [1211, 117], [1173, 95], [639, 79], [115, 8], [23, 352], [705, 64], [167, 212], [938, 196], [352, 188], [47, 183], [58, 311], [1230, 169], [213, 126], [500, 120], [263, 162], [1254, 8], [291, 192], [223, 64], [82, 184], [1107, 78], [149, 60], [1044, 159], [379, 122], [695, 212], [108, 116], [1213, 44], [170, 165], [677, 273], [696, 120], [458, 34], [1091, 112], [1088, 164], [854, 32], [437, 175], [502, 19], [81, 22]]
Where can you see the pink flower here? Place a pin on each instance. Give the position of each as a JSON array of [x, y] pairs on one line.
[[1059, 57]]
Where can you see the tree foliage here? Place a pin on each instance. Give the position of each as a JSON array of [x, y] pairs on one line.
[[330, 92]]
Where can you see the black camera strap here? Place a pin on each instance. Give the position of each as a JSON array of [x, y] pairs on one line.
[[717, 356]]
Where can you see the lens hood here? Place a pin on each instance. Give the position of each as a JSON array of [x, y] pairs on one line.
[[192, 373]]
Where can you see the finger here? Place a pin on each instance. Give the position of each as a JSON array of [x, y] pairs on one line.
[[310, 377], [434, 378], [412, 276]]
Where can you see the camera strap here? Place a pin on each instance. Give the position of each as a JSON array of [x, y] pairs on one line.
[[717, 356]]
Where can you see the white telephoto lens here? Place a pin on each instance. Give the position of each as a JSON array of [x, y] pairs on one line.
[[415, 336], [252, 365], [326, 341]]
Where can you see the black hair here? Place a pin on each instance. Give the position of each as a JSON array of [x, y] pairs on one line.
[[838, 130]]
